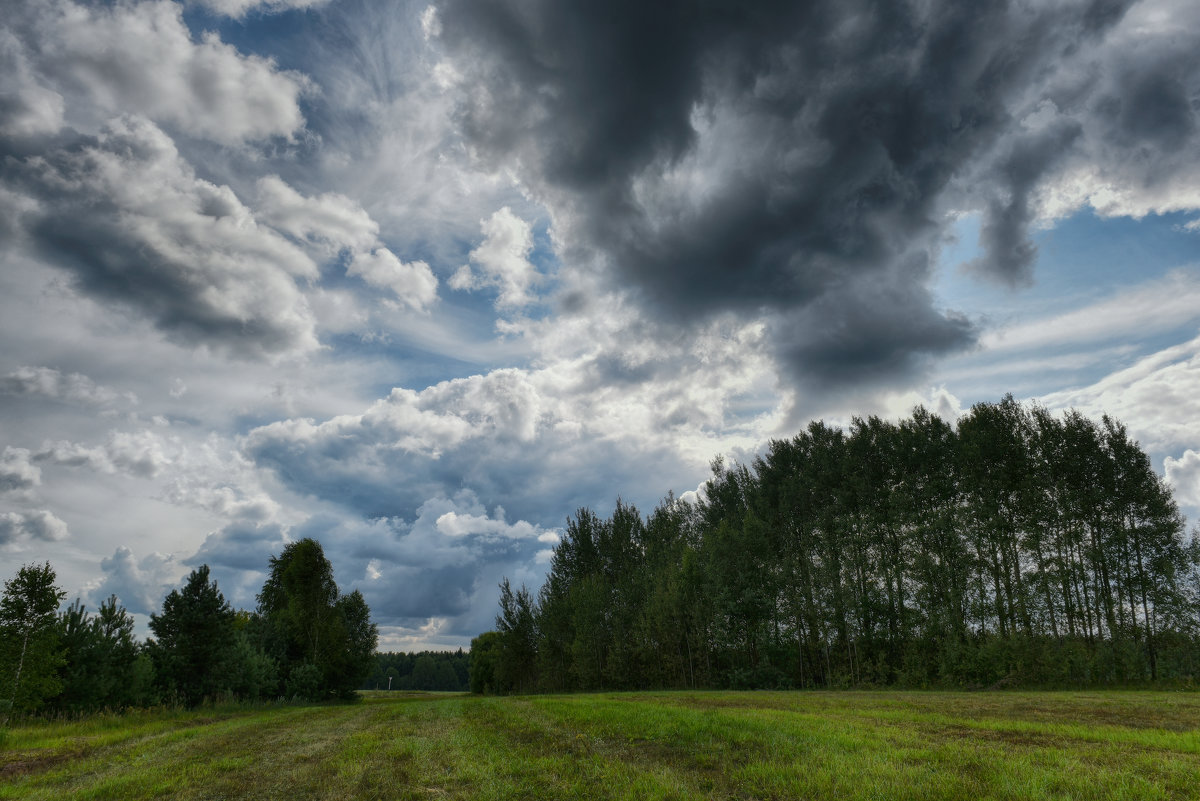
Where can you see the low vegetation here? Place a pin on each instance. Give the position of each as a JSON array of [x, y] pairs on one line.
[[685, 745]]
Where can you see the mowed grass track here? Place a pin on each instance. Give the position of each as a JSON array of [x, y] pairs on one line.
[[840, 745]]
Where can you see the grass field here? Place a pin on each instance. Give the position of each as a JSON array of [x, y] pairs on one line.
[[646, 745]]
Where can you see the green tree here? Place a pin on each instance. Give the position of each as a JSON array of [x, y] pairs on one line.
[[356, 637], [100, 654], [485, 654], [516, 670], [308, 625], [424, 675], [1016, 545], [194, 646], [30, 654]]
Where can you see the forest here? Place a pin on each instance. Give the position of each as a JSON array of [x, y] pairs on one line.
[[1013, 548], [427, 670], [305, 640]]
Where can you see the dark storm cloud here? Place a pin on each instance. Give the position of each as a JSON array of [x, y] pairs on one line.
[[793, 158], [877, 328], [1009, 255]]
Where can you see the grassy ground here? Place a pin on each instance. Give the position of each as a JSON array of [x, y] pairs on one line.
[[882, 745]]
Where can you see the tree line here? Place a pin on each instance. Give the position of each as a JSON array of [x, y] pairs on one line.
[[304, 640], [427, 670], [1013, 548]]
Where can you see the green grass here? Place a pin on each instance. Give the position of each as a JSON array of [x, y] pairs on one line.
[[844, 745]]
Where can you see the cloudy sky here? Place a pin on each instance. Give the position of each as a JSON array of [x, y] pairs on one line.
[[421, 280]]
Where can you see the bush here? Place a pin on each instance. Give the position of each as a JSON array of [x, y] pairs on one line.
[[304, 682]]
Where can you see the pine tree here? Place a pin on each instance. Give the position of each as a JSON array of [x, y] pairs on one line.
[[194, 646]]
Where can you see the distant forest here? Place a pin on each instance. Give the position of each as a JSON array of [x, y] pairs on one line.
[[427, 670], [1015, 548]]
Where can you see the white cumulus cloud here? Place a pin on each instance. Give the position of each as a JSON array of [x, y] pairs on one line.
[[1184, 475], [501, 261], [239, 8], [330, 221], [140, 57], [412, 282]]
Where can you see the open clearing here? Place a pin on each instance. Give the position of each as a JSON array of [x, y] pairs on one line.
[[843, 745]]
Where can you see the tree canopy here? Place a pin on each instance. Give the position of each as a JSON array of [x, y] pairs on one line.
[[310, 629], [30, 653], [1014, 547], [193, 649], [307, 640]]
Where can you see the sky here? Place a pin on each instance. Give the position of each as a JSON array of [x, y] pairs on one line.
[[421, 280]]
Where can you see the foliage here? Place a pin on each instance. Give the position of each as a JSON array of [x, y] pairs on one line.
[[30, 653], [194, 650], [100, 658], [309, 641], [255, 675], [1016, 548], [516, 669], [485, 652], [305, 624]]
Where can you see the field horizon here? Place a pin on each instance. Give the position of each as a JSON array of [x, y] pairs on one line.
[[663, 745]]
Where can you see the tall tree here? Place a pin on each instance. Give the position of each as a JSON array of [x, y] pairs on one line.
[[194, 640], [352, 660], [1017, 545], [308, 626], [30, 654], [516, 668]]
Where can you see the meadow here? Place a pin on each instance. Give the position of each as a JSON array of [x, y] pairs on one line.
[[679, 745]]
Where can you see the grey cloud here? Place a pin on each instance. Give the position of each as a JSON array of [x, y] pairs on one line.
[[47, 382], [1140, 124], [499, 435], [139, 585], [240, 546], [875, 330], [1152, 106], [38, 524], [776, 157], [27, 107], [130, 219], [17, 472], [248, 505], [74, 454], [445, 562], [142, 454], [1009, 255]]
